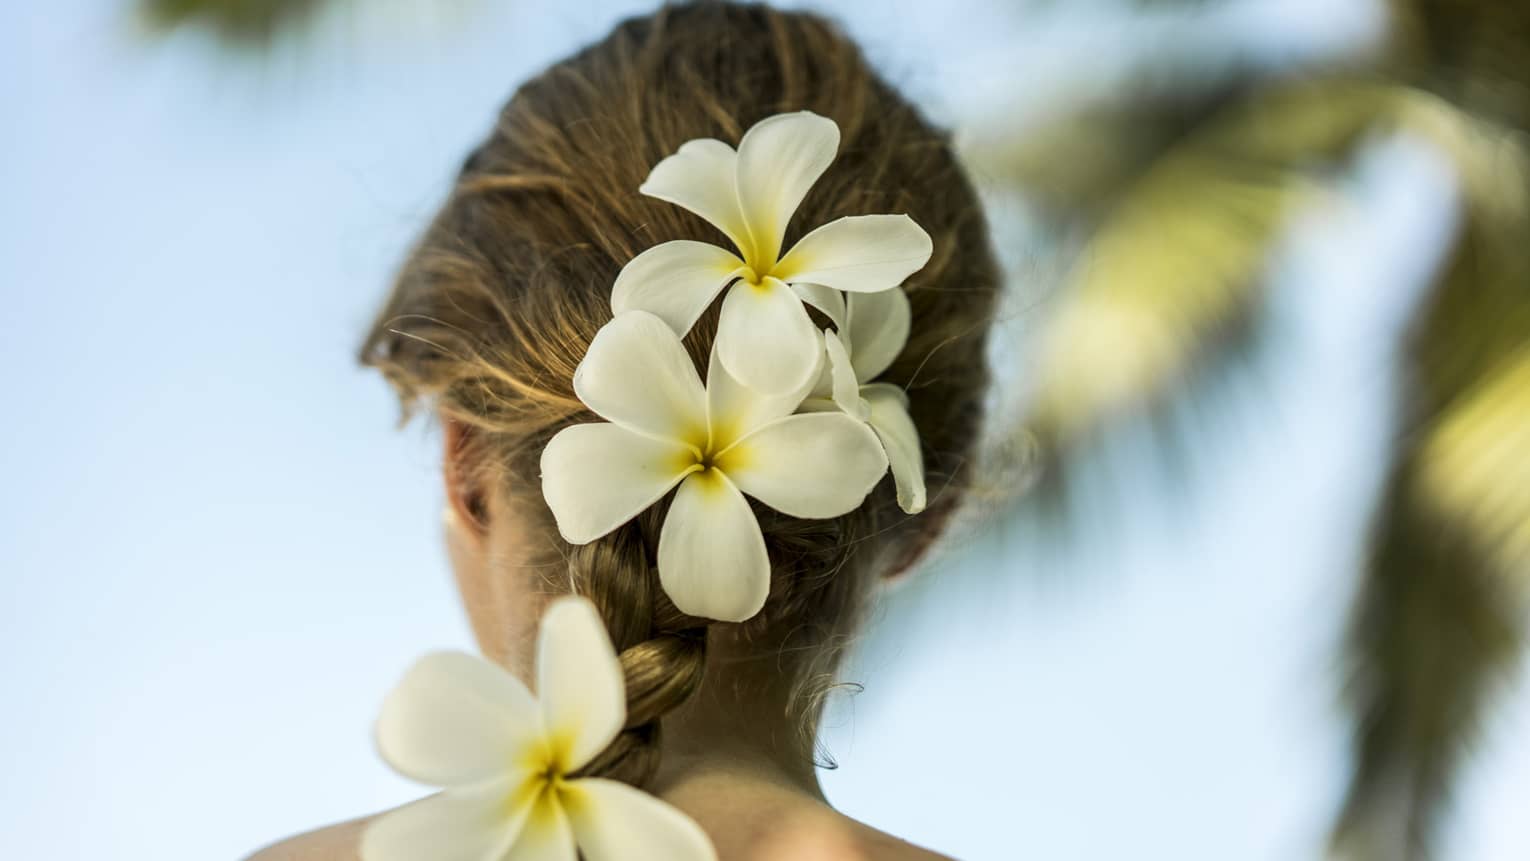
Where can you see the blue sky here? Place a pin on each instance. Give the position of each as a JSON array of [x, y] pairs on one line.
[[218, 553]]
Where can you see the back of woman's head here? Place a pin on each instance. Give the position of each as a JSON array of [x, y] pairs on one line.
[[498, 303]]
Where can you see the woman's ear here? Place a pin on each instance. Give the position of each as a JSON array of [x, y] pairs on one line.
[[478, 558], [467, 494]]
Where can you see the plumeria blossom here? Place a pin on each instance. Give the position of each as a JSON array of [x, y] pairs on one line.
[[717, 442], [873, 329], [765, 337], [505, 759]]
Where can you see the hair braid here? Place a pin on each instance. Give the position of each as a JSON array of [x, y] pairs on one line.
[[662, 651]]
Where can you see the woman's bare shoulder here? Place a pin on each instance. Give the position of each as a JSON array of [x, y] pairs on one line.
[[336, 843], [759, 821], [764, 829]]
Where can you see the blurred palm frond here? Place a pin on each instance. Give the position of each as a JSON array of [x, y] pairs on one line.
[[1475, 470], [1473, 52], [1175, 267], [1178, 261], [1440, 620], [239, 23], [1170, 267], [1107, 146], [1430, 638]]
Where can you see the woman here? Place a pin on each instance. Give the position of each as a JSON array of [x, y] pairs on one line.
[[546, 243]]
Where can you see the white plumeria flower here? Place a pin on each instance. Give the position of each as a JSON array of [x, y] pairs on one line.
[[718, 442], [765, 337], [460, 722], [873, 329]]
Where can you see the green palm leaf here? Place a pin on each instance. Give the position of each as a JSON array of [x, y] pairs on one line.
[[1175, 268], [1440, 623], [243, 23]]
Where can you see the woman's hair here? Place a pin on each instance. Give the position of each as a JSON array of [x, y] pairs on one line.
[[496, 305]]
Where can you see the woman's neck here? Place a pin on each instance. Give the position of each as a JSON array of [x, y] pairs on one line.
[[744, 721], [738, 757]]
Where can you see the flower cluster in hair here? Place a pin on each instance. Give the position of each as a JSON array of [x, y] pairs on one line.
[[789, 414]]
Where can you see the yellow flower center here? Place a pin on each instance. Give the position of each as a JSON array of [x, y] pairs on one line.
[[544, 783], [755, 276], [708, 462], [702, 462]]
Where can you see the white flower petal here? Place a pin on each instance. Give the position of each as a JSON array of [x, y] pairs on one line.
[[701, 176], [614, 822], [779, 159], [826, 299], [595, 477], [823, 384], [734, 410], [858, 253], [545, 836], [675, 281], [812, 465], [579, 683], [886, 392], [638, 374], [822, 390], [765, 338], [457, 719], [842, 384], [878, 325], [712, 560], [890, 419], [458, 825]]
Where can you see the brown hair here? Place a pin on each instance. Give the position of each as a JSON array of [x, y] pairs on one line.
[[498, 302]]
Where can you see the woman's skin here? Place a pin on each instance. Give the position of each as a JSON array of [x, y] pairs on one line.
[[745, 777]]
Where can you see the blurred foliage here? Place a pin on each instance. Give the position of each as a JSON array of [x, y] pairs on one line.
[[244, 23], [1174, 267], [1106, 145], [1442, 617]]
